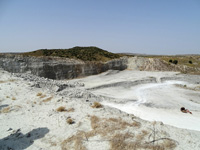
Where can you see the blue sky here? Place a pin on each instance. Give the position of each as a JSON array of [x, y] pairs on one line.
[[135, 26]]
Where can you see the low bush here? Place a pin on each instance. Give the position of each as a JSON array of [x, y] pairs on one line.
[[96, 105], [61, 109], [39, 94], [175, 62], [48, 99], [5, 110], [70, 121], [13, 98]]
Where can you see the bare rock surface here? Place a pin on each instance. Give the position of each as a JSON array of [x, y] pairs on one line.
[[155, 64], [99, 112], [57, 68]]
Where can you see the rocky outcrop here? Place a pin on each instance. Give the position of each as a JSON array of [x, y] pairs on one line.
[[56, 67], [65, 68], [155, 64]]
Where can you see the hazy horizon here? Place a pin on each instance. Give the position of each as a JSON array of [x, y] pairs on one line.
[[132, 26]]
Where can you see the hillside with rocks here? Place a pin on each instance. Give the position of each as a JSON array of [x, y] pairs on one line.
[[106, 102], [56, 67], [82, 53], [159, 64], [84, 61], [99, 112]]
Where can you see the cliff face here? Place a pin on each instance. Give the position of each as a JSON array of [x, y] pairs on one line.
[[57, 68], [65, 68]]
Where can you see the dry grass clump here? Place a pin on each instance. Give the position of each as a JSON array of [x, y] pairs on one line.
[[136, 124], [61, 109], [5, 110], [70, 110], [48, 99], [128, 142], [100, 126], [39, 94], [70, 121], [145, 132], [97, 105], [53, 143], [120, 142], [107, 126], [13, 98], [113, 119], [94, 122], [42, 96], [11, 80], [7, 96], [113, 131], [2, 81], [75, 142], [162, 144], [169, 144], [141, 135], [10, 108]]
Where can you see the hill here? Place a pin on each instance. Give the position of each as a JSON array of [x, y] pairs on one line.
[[186, 60], [82, 53]]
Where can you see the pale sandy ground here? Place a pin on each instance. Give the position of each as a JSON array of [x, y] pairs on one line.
[[28, 122], [153, 101]]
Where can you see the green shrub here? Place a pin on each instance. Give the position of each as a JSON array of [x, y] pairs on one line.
[[82, 53], [175, 62]]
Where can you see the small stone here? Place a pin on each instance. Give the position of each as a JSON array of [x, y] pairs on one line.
[[18, 130], [9, 129]]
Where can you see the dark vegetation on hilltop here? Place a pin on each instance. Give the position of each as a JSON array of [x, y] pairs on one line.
[[174, 61], [82, 53]]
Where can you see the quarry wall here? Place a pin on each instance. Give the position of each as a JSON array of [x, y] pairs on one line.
[[65, 68], [58, 68]]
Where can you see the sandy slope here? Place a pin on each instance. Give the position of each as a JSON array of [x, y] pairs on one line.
[[162, 102], [152, 101], [29, 119]]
